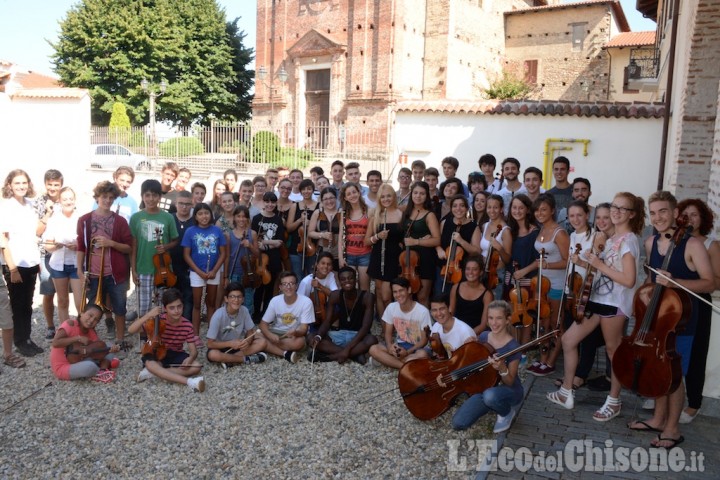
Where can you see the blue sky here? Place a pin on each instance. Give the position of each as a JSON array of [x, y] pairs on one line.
[[26, 25]]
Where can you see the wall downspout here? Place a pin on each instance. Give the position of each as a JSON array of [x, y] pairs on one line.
[[548, 154]]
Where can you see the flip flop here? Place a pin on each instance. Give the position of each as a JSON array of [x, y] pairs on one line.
[[674, 442], [646, 427]]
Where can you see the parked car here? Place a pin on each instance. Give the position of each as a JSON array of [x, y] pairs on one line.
[[111, 155]]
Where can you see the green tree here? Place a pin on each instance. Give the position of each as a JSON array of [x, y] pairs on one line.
[[119, 117], [243, 79], [109, 46]]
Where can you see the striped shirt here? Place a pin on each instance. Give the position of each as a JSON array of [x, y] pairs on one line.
[[175, 336]]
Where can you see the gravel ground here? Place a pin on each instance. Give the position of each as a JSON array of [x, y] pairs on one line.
[[268, 420]]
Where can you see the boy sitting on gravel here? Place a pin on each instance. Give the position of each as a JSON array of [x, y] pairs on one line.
[[177, 365], [286, 319], [231, 335]]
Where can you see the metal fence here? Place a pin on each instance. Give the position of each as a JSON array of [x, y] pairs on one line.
[[254, 148]]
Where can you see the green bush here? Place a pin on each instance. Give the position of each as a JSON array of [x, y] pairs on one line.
[[508, 87], [138, 139], [266, 149], [181, 147]]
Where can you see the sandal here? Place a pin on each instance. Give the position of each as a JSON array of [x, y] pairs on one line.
[[567, 402], [14, 361], [559, 383], [608, 411]]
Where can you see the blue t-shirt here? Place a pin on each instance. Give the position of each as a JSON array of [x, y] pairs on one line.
[[511, 345], [204, 243]]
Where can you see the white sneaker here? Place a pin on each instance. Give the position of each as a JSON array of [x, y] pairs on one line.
[[503, 423], [196, 384], [291, 357], [144, 375], [686, 418], [649, 404]]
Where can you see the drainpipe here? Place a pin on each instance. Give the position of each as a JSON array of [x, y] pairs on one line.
[[547, 155], [668, 95]]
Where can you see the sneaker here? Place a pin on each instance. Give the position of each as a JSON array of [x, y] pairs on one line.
[[533, 367], [34, 346], [503, 423], [372, 362], [686, 418], [104, 376], [256, 358], [196, 384], [144, 375], [649, 404], [291, 357], [50, 333], [25, 349], [542, 371], [110, 325]]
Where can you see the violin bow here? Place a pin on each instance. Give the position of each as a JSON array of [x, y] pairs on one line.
[[712, 305], [27, 397], [539, 292]]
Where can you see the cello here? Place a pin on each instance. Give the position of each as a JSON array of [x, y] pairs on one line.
[[646, 361], [428, 387], [164, 276]]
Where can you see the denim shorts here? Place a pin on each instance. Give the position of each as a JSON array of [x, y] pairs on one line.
[[358, 260], [117, 292], [405, 345], [342, 337], [555, 294], [197, 282], [68, 271]]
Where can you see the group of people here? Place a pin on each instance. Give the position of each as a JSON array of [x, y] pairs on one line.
[[283, 263]]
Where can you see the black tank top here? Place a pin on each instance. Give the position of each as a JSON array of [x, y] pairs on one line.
[[469, 311]]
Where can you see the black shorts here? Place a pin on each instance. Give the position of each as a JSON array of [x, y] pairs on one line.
[[171, 358], [600, 309]]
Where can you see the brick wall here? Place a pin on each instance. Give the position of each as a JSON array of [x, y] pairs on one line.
[[714, 182], [546, 36]]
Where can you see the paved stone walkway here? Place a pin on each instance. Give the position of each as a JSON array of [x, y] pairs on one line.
[[543, 428]]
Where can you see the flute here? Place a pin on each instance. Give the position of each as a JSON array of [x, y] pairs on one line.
[[382, 247]]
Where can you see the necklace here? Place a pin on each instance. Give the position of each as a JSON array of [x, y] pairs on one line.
[[349, 313]]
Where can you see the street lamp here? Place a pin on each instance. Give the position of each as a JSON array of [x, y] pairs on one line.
[[281, 75], [153, 93]]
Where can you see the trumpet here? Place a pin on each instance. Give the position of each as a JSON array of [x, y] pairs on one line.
[[99, 296]]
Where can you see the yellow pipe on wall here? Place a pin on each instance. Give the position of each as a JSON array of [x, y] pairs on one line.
[[548, 155]]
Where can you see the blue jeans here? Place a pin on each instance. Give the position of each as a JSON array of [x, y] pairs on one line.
[[497, 399], [296, 263], [117, 291]]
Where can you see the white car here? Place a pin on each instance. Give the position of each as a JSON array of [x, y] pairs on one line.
[[112, 156]]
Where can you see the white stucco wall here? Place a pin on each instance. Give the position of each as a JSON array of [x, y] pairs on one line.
[[37, 134], [622, 155]]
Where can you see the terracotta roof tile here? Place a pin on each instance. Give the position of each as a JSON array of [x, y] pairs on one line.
[[35, 80], [615, 4], [51, 93], [533, 107], [632, 39]]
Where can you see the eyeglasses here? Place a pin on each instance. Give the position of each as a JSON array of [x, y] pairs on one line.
[[183, 204], [288, 284], [403, 177], [620, 209], [234, 297]]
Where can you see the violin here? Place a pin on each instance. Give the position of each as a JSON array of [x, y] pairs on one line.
[[579, 312], [519, 297], [539, 306], [646, 361], [491, 263], [250, 279], [574, 289], [436, 344], [429, 387], [319, 299], [154, 329], [452, 269], [305, 247], [164, 276], [409, 261], [261, 268], [77, 352]]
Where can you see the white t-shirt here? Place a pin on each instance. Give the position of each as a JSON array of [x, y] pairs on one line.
[[606, 291], [62, 229], [456, 337], [20, 222], [225, 328], [507, 196], [305, 288], [283, 318], [408, 325], [370, 203]]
